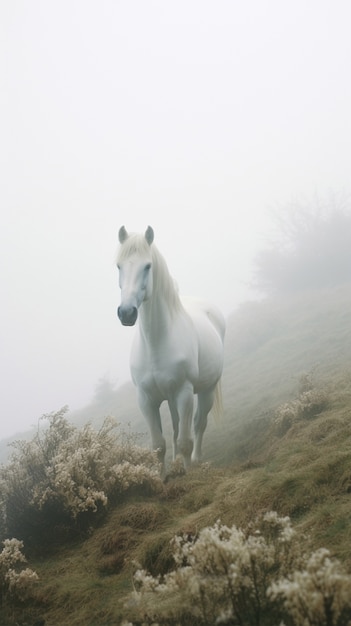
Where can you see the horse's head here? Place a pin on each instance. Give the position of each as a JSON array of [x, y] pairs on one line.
[[135, 273]]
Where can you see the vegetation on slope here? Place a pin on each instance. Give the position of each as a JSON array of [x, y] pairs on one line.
[[253, 576], [283, 445]]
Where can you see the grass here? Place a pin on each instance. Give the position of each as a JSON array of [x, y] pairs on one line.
[[299, 467]]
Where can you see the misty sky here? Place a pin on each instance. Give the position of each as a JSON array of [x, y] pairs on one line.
[[195, 116]]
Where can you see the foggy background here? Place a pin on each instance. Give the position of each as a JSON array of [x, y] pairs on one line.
[[197, 117]]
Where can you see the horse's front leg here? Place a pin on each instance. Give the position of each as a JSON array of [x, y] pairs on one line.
[[175, 422], [184, 403], [151, 412]]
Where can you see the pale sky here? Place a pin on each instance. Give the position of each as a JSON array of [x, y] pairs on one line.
[[195, 116]]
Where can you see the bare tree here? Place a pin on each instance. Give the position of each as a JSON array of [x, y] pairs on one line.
[[313, 249]]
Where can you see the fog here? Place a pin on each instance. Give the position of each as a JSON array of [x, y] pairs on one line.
[[197, 117]]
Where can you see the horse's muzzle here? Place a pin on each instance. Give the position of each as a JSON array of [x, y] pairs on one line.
[[127, 315]]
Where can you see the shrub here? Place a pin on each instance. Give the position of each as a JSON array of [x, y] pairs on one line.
[[64, 476], [258, 576], [221, 575], [14, 580], [319, 593], [308, 405]]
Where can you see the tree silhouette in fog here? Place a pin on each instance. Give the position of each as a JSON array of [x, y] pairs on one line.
[[105, 391], [313, 250]]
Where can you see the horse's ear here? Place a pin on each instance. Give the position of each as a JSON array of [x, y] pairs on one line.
[[149, 235], [122, 235]]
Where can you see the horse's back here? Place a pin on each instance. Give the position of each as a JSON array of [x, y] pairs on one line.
[[209, 325], [206, 315]]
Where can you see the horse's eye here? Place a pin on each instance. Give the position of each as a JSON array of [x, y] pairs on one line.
[[147, 267], [118, 267]]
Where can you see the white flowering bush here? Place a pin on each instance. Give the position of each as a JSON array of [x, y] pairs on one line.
[[308, 404], [65, 475], [220, 576], [15, 580], [251, 577], [317, 594]]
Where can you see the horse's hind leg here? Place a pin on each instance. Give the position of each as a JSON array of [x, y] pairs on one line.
[[151, 412], [204, 405]]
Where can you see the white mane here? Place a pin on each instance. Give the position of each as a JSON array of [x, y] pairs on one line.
[[163, 283]]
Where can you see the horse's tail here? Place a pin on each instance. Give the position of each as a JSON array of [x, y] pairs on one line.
[[217, 409]]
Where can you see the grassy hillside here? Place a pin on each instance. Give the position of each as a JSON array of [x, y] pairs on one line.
[[284, 444]]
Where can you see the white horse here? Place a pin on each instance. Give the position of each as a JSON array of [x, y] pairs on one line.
[[177, 351]]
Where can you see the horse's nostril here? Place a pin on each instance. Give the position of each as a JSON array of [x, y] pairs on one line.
[[133, 316], [127, 315]]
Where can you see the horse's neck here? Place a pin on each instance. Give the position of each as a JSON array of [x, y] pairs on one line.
[[157, 315]]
